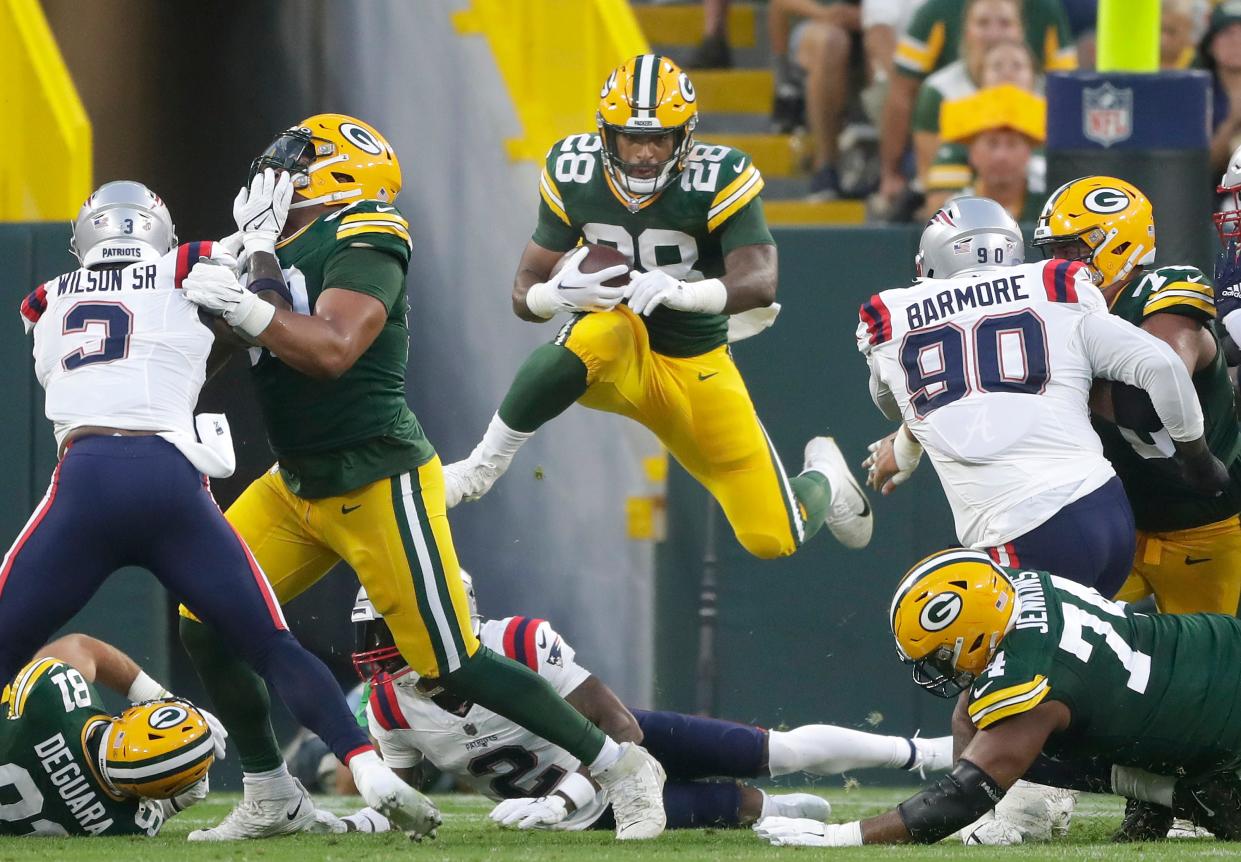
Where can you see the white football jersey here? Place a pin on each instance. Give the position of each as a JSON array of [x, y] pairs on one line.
[[121, 348], [992, 372], [498, 758]]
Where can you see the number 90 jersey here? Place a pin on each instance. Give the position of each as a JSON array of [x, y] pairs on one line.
[[499, 758], [685, 230], [121, 348], [992, 376]]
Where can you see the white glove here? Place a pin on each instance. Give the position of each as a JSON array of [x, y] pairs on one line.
[[574, 290], [215, 288], [804, 832], [232, 244], [218, 735], [260, 210], [197, 791], [650, 289], [527, 813]]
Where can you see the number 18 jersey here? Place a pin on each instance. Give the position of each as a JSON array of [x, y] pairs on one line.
[[992, 377], [121, 348]]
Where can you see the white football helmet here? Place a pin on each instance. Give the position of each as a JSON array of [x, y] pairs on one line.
[[1228, 215], [122, 222], [969, 233]]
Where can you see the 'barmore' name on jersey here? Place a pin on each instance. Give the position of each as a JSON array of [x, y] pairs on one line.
[[499, 758]]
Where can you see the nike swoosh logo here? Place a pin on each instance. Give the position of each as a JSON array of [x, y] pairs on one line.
[[740, 166], [297, 810], [1193, 561], [979, 689], [1194, 279], [542, 640], [345, 510], [380, 209], [702, 376]]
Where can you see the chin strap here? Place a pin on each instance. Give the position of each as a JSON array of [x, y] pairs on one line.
[[325, 199]]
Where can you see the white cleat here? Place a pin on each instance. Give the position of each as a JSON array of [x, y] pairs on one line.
[[267, 818], [471, 478], [408, 809], [635, 787], [801, 805], [849, 516]]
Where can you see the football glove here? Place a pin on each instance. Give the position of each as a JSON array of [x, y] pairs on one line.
[[647, 290], [804, 832], [574, 290], [215, 288], [218, 735], [260, 210], [541, 813], [892, 460], [1228, 288]]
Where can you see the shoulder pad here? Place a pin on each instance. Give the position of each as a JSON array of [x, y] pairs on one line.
[[34, 305], [386, 708], [1178, 289], [17, 693], [725, 176], [878, 322], [370, 220], [1060, 277]]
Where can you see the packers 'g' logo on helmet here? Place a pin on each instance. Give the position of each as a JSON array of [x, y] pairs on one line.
[[1105, 222], [156, 749], [335, 159], [948, 615], [648, 96]]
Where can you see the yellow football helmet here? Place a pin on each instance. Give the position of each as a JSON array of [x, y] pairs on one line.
[[948, 615], [1105, 222], [156, 749], [646, 96], [335, 159]]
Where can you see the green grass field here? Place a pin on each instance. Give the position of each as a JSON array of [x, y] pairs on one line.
[[468, 835]]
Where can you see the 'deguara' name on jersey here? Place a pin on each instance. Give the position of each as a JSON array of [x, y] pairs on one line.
[[949, 301], [105, 281]]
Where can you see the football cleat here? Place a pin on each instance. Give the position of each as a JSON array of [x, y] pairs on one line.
[[1213, 802], [268, 818], [849, 516], [1144, 821], [635, 787], [409, 810], [473, 477]]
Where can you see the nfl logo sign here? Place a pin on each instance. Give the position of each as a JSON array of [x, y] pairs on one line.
[[1107, 114]]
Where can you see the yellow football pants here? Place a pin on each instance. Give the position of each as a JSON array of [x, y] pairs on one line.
[[699, 408], [1188, 570], [394, 533]]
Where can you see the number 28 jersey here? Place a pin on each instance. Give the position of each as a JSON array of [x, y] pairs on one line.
[[121, 348], [992, 373], [499, 758]]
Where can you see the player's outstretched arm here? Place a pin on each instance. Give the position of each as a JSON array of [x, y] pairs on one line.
[[96, 660], [327, 343]]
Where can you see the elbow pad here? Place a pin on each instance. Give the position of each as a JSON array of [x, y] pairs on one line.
[[952, 803]]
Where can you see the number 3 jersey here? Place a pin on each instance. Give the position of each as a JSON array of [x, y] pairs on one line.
[[121, 348], [49, 778], [991, 372], [498, 757], [1156, 691]]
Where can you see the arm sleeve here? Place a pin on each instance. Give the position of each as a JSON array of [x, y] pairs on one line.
[[554, 231], [1118, 350], [366, 270]]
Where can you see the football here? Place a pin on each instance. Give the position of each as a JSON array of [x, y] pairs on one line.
[[597, 257]]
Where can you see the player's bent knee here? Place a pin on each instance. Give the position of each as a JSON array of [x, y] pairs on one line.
[[601, 340]]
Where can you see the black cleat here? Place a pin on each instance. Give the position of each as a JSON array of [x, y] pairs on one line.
[[1144, 821], [1214, 803]]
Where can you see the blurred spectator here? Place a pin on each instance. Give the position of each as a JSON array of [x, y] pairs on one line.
[[1001, 127], [1222, 58], [930, 43], [1083, 16], [1181, 23], [820, 46], [987, 23], [883, 21], [713, 52]]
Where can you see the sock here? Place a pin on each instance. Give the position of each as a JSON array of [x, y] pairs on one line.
[[608, 755], [824, 749], [521, 695], [272, 784], [367, 820], [238, 696], [814, 496], [1134, 783], [500, 442], [550, 380], [702, 804], [796, 805]]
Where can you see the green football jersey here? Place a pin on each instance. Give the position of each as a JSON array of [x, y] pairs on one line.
[[49, 785], [1161, 501], [933, 37], [1155, 691], [334, 436], [685, 230]]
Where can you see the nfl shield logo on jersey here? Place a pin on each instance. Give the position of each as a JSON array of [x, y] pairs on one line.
[[1107, 114]]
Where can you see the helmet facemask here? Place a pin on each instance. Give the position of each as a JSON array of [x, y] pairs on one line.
[[376, 653], [937, 672], [293, 151], [1228, 218], [664, 172]]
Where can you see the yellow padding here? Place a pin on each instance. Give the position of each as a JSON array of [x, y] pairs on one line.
[[45, 153]]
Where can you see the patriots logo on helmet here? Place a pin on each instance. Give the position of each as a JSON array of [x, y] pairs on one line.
[[554, 655]]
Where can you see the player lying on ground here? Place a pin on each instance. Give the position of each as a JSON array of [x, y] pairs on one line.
[[543, 786], [1063, 686], [357, 479], [688, 222], [989, 364], [71, 768], [122, 353]]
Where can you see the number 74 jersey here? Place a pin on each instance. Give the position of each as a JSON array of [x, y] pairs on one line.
[[121, 348], [991, 371]]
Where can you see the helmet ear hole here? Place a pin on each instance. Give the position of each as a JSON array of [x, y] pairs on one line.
[[342, 178], [1122, 248], [976, 644]]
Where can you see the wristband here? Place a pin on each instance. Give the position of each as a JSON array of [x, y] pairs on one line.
[[255, 318], [577, 789], [256, 242], [143, 688], [541, 300], [710, 295], [275, 285]]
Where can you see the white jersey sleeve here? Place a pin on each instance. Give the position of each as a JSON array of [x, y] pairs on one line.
[[391, 729], [534, 643]]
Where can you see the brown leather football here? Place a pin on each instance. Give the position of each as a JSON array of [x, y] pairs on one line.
[[598, 257]]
